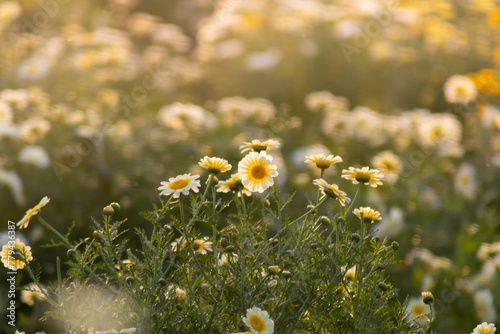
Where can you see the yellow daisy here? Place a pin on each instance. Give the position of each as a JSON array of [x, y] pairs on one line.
[[369, 214], [333, 191], [215, 165], [365, 175], [322, 161], [258, 321], [256, 172], [258, 145], [11, 255], [180, 184], [484, 328], [233, 184], [23, 223]]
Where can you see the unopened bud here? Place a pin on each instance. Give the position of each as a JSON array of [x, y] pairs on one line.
[[115, 206], [355, 237], [108, 210], [427, 297], [324, 220]]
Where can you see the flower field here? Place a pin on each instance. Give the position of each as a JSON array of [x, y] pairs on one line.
[[259, 166]]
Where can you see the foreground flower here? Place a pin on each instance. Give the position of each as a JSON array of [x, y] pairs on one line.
[[484, 328], [322, 161], [215, 165], [233, 184], [256, 172], [180, 184], [15, 255], [365, 175], [30, 293], [23, 223], [333, 191], [417, 310], [369, 215], [258, 321], [258, 145], [460, 89]]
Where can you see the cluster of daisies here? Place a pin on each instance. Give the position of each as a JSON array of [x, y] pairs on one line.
[[256, 174]]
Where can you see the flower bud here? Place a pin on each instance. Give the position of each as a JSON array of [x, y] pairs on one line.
[[324, 220], [395, 245], [214, 181], [286, 273], [115, 206], [427, 297], [355, 237], [230, 249], [311, 207], [108, 210], [382, 286], [130, 280]]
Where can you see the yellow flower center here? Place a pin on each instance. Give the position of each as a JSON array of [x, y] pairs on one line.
[[197, 244], [419, 309], [460, 90], [31, 211], [363, 177], [259, 171], [436, 133], [322, 164], [179, 184], [484, 331], [257, 323]]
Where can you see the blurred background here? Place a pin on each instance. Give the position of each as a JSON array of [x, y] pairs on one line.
[[102, 100]]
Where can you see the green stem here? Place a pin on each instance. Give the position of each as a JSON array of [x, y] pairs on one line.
[[322, 200], [359, 269], [47, 225], [319, 190], [190, 244], [352, 202]]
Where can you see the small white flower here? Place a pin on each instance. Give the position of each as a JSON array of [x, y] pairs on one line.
[[181, 184]]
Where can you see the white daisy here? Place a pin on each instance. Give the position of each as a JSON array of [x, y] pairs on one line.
[[180, 184]]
